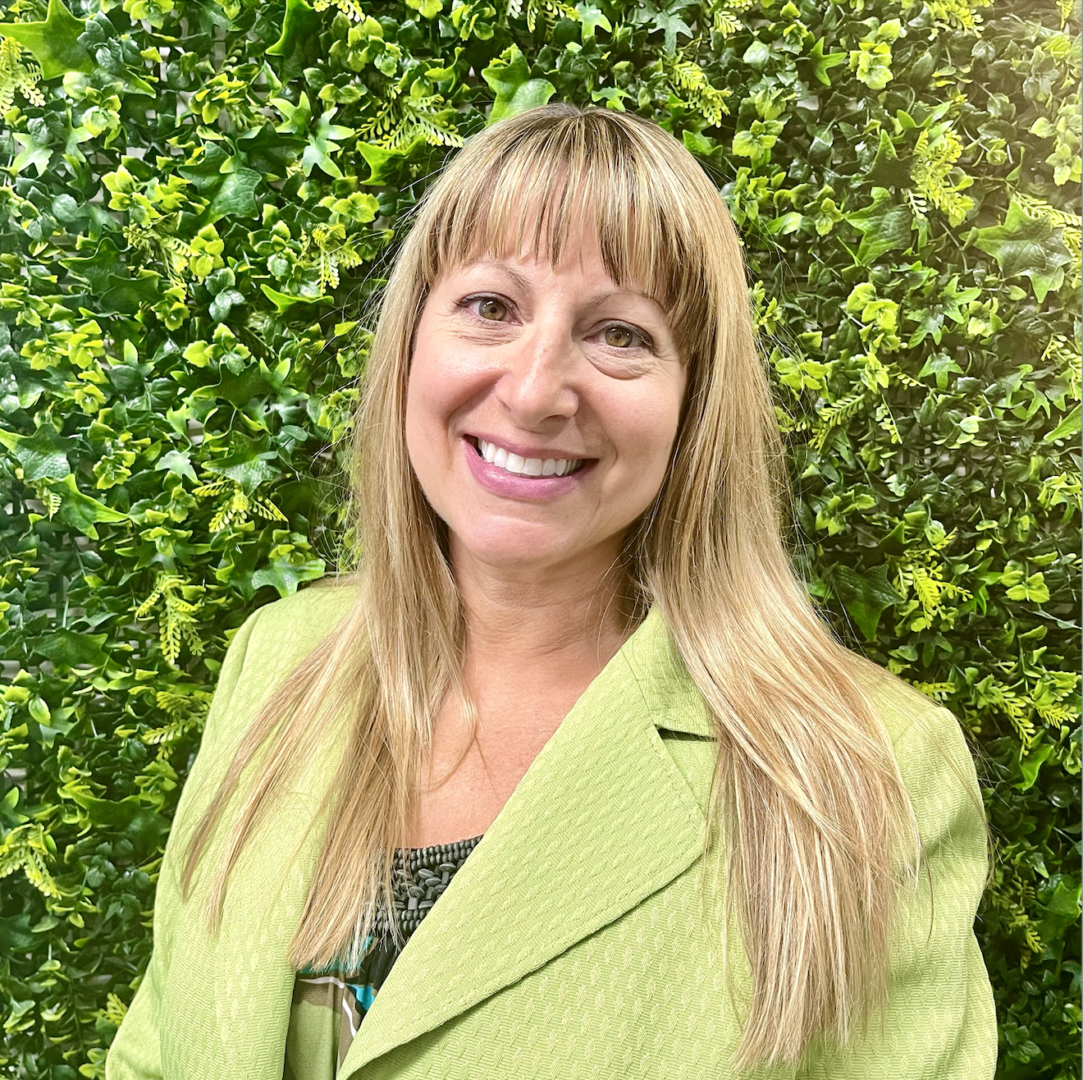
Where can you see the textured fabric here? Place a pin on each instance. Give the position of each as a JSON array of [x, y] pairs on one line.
[[330, 1004], [592, 958]]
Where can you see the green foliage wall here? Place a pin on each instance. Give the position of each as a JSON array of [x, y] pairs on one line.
[[198, 196]]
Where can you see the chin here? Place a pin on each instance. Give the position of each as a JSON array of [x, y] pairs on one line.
[[509, 547]]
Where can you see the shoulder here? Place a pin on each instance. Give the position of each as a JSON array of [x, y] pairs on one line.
[[271, 642], [917, 725], [931, 750], [291, 627]]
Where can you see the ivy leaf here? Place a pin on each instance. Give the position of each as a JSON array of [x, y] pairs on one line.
[[884, 226], [1059, 899], [323, 144], [218, 177], [71, 649], [235, 197], [1026, 246], [382, 161], [590, 18], [54, 43], [823, 62], [285, 575], [865, 596], [111, 283], [298, 44], [40, 456], [246, 468], [81, 512], [37, 147], [509, 78], [178, 463], [296, 117], [665, 19], [887, 170]]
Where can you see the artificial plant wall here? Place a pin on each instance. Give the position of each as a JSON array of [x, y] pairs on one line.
[[198, 198]]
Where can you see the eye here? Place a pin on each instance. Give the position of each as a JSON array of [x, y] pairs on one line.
[[619, 336], [489, 308]]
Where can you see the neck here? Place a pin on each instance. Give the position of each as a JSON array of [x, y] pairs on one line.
[[524, 628]]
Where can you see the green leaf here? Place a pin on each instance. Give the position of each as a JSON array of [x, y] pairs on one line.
[[822, 63], [865, 596], [285, 575], [323, 144], [887, 170], [428, 9], [177, 462], [1027, 246], [1069, 426], [299, 42], [79, 511], [590, 18], [249, 467], [284, 301], [15, 933], [884, 226], [69, 648], [669, 22], [383, 161], [757, 55], [236, 196], [508, 77], [1059, 901], [41, 456], [54, 43], [1031, 763]]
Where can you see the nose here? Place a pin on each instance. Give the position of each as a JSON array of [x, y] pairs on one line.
[[539, 380]]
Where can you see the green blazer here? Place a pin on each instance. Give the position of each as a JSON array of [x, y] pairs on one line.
[[572, 942]]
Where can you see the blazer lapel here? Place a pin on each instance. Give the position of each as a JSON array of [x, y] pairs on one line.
[[601, 819]]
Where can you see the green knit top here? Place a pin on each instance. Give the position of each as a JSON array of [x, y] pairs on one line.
[[330, 1004]]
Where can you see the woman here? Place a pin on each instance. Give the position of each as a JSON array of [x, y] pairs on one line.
[[575, 709]]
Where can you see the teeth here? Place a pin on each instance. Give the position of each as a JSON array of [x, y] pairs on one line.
[[513, 463]]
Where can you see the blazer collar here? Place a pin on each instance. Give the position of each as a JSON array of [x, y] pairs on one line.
[[600, 820]]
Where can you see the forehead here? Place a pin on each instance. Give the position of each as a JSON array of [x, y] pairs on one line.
[[521, 249]]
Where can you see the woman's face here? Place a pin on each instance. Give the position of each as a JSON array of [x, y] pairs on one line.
[[541, 365]]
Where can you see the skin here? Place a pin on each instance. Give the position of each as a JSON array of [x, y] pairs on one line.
[[560, 359]]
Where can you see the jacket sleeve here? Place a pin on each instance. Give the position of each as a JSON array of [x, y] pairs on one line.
[[135, 1053], [939, 1023]]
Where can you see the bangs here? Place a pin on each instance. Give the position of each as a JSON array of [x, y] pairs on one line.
[[548, 186]]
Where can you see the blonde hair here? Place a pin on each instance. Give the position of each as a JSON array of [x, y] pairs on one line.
[[806, 792]]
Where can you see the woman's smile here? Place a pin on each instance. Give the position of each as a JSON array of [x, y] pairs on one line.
[[517, 479]]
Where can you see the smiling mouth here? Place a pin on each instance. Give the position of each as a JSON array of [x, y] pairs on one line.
[[556, 469]]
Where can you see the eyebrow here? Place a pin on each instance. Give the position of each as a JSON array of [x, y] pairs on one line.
[[523, 283]]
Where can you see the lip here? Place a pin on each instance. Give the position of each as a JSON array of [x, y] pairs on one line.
[[525, 451], [534, 489]]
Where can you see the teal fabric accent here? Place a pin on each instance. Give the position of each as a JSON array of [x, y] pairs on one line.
[[330, 1004]]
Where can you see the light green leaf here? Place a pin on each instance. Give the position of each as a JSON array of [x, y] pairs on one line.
[[54, 43], [508, 77]]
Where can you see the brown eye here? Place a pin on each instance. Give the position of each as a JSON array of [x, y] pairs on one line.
[[492, 309], [620, 337]]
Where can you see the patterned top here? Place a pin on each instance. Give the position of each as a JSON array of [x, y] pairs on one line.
[[329, 1005]]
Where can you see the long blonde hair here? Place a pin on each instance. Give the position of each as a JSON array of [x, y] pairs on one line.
[[810, 805]]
